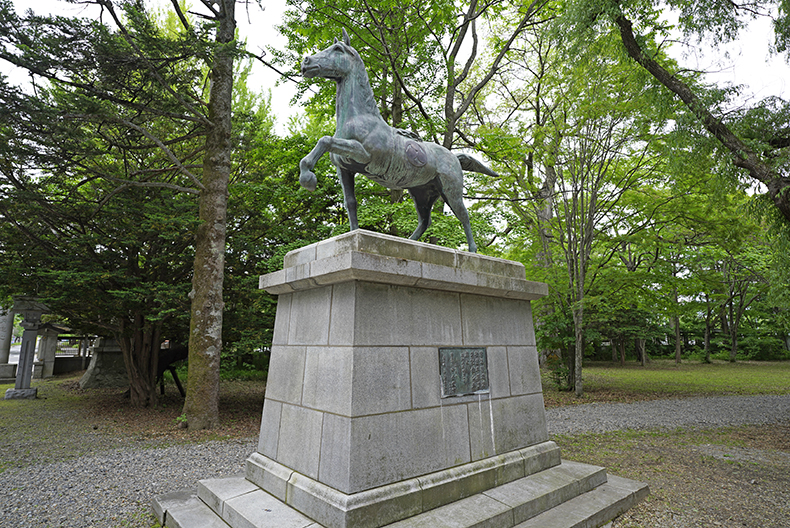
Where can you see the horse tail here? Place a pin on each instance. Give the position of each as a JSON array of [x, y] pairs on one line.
[[470, 164]]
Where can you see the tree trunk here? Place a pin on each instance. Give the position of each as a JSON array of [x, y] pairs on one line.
[[642, 349], [678, 347], [578, 315], [205, 333], [733, 333], [707, 341], [140, 349], [622, 351], [676, 323]]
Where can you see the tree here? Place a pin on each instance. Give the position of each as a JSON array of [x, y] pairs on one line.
[[205, 330], [119, 83], [425, 61], [763, 152], [592, 142]]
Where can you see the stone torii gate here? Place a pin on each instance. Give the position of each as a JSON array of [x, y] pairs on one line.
[[31, 310]]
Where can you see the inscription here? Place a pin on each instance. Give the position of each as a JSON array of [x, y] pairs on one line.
[[463, 371]]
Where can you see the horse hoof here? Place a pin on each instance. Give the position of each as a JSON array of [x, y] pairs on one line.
[[308, 181]]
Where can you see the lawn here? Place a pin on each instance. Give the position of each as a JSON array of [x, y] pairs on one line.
[[661, 379]]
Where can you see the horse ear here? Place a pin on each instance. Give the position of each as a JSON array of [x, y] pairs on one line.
[[335, 40], [346, 39]]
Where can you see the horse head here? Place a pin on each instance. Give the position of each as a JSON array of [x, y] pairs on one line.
[[335, 62]]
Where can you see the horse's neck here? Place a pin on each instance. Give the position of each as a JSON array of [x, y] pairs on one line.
[[354, 98]]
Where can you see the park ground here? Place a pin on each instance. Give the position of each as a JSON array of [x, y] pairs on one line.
[[719, 477]]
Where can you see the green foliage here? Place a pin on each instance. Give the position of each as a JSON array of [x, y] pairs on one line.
[[402, 49], [559, 374]]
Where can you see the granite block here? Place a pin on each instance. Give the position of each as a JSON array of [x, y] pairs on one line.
[[478, 511], [299, 445], [258, 509], [425, 381], [216, 492], [381, 380], [282, 320], [343, 315], [286, 374], [519, 421], [270, 428], [392, 447], [328, 379], [498, 375], [524, 370], [482, 432], [309, 321], [491, 321], [399, 316], [335, 464]]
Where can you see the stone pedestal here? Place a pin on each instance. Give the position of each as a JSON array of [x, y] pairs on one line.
[[403, 388], [107, 368]]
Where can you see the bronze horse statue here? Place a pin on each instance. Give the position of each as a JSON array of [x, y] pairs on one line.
[[364, 143]]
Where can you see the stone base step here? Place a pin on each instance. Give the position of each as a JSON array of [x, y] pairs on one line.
[[570, 495], [594, 508]]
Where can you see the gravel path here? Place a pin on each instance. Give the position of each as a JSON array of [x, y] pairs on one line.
[[115, 489]]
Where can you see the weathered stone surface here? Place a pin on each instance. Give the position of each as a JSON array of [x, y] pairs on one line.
[[374, 257], [216, 492], [594, 508], [7, 371], [186, 510], [21, 394], [570, 495], [107, 368], [322, 500], [6, 335], [356, 432], [258, 509]]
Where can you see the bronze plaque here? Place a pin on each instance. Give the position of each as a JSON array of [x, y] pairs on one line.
[[463, 371]]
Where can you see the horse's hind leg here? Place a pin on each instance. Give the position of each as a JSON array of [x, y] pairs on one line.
[[453, 194], [424, 197], [349, 196]]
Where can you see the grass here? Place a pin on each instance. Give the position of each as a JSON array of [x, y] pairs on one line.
[[662, 379]]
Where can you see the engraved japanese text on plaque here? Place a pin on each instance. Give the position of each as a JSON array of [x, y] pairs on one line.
[[463, 371]]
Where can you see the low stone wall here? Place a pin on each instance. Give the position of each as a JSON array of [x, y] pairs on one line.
[[66, 364]]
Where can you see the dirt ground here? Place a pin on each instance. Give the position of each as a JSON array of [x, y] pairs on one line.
[[731, 477]]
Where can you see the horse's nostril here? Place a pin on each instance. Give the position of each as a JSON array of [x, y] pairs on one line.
[[306, 60]]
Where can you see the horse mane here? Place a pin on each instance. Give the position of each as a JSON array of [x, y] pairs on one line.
[[363, 82]]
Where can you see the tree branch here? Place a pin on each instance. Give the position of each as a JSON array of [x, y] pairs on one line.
[[744, 157], [111, 9]]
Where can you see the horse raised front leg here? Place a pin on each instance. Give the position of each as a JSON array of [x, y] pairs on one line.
[[347, 148]]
